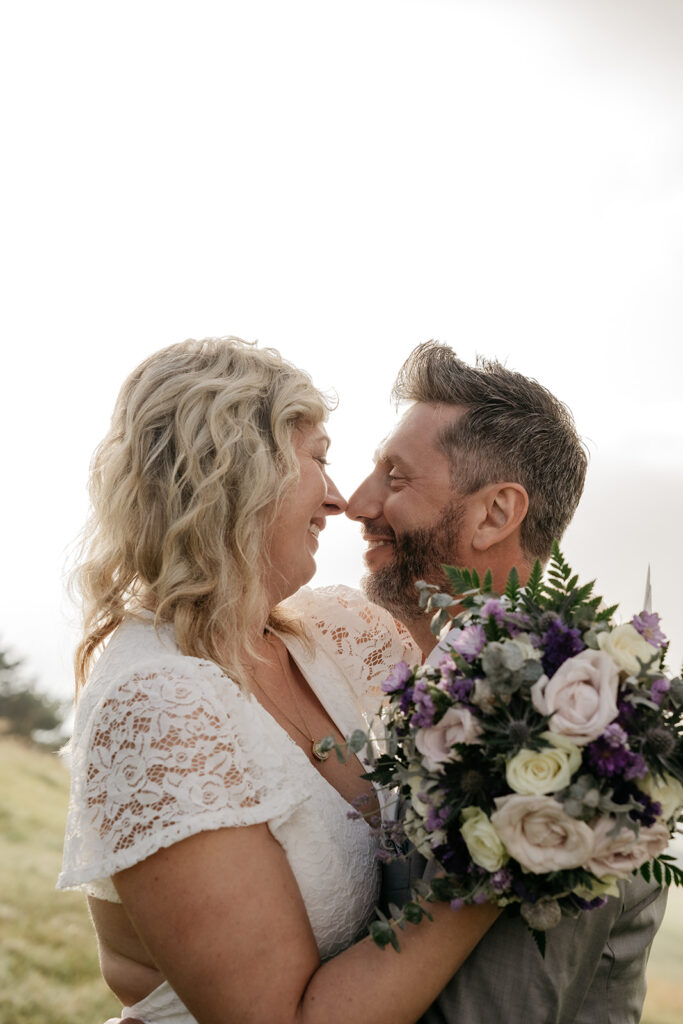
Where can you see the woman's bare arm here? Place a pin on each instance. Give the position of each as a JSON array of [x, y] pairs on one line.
[[224, 920]]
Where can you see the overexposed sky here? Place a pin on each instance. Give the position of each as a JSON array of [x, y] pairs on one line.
[[342, 181]]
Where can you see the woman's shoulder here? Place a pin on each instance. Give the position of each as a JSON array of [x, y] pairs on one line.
[[340, 606], [143, 663], [347, 626]]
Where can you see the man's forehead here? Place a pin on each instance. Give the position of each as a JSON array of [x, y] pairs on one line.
[[419, 428]]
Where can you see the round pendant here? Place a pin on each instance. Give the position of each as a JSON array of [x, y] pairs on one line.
[[318, 754]]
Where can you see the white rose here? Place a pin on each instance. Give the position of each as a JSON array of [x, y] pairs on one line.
[[669, 793], [617, 856], [625, 646], [538, 833], [544, 771], [582, 694], [482, 840], [458, 725]]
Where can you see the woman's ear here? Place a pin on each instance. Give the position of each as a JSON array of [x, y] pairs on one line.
[[501, 511]]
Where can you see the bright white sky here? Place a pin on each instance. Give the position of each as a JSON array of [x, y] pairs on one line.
[[342, 180]]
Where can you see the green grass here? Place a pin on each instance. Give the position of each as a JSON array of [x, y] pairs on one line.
[[48, 960]]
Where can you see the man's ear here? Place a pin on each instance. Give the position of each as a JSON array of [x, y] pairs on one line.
[[501, 509]]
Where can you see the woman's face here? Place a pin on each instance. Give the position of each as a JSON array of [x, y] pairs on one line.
[[302, 514]]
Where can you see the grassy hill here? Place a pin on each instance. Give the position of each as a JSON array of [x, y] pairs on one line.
[[48, 961]]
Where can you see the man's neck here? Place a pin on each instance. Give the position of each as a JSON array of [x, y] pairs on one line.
[[421, 633]]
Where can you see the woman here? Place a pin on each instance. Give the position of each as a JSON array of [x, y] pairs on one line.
[[225, 879]]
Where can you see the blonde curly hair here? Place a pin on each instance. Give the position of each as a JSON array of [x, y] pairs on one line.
[[183, 491]]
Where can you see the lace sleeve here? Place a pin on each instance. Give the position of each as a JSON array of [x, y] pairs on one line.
[[366, 639], [165, 752]]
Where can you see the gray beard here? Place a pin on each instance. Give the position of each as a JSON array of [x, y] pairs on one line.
[[418, 555]]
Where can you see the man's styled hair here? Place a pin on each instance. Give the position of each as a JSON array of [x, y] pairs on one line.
[[513, 429]]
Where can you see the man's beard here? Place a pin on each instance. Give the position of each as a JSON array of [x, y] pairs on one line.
[[418, 555]]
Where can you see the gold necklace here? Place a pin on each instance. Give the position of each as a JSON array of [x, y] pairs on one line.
[[319, 753]]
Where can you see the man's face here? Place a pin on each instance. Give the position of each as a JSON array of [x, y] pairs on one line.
[[409, 509]]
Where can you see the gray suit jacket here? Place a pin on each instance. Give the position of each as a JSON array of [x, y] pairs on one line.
[[593, 971]]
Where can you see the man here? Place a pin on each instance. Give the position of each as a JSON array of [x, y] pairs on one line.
[[485, 470]]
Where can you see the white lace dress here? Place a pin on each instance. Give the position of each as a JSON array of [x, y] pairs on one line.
[[166, 746]]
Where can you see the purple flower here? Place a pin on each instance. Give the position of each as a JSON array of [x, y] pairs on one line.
[[561, 642], [470, 642], [608, 757], [436, 818], [636, 768], [517, 622], [457, 904], [397, 678], [658, 689], [423, 717], [501, 880], [647, 624], [599, 901], [615, 735], [495, 608]]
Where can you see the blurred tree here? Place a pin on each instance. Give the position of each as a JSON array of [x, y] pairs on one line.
[[23, 709]]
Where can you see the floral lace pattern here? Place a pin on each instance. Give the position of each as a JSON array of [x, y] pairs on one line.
[[166, 746], [364, 639]]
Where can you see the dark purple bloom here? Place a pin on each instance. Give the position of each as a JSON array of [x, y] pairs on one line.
[[424, 706], [609, 757], [647, 624], [470, 642], [560, 642], [397, 678], [599, 901], [658, 689], [406, 700]]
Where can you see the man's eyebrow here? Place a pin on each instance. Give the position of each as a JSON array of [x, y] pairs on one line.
[[383, 454]]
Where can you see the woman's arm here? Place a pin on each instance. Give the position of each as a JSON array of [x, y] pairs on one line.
[[223, 918]]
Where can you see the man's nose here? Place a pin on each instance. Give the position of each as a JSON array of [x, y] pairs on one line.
[[365, 502]]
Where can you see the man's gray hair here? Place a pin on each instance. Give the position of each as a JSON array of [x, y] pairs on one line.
[[513, 430]]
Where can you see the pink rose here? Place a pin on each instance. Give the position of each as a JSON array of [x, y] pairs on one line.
[[538, 833], [582, 694], [617, 856], [458, 725]]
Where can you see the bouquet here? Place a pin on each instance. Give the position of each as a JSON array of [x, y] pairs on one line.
[[540, 759]]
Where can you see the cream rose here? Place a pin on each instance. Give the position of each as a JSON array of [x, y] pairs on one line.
[[617, 856], [538, 833], [581, 696], [482, 840], [669, 793], [458, 725], [544, 771], [625, 646]]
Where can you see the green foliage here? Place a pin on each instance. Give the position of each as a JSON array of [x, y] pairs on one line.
[[23, 708]]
